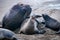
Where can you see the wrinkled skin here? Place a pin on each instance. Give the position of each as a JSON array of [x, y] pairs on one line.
[[15, 17]]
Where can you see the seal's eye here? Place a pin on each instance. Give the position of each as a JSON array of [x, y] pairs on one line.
[[24, 9]]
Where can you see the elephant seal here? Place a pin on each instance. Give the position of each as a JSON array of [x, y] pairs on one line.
[[51, 23], [6, 34], [29, 26], [15, 17]]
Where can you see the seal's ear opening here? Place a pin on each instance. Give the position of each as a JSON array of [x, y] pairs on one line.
[[14, 39]]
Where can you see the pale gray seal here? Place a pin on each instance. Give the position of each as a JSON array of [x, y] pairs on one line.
[[6, 34]]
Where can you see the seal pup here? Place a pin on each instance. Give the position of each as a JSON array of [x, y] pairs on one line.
[[15, 17], [51, 23], [6, 34], [30, 27]]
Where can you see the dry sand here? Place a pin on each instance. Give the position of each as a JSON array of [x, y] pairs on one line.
[[38, 8]]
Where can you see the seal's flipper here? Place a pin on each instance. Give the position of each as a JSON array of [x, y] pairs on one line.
[[40, 32], [58, 32]]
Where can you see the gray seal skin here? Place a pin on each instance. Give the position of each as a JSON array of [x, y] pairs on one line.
[[51, 23], [6, 34], [15, 17], [29, 27]]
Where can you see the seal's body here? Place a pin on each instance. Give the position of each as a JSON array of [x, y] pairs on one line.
[[15, 17], [29, 27], [7, 34], [51, 23]]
